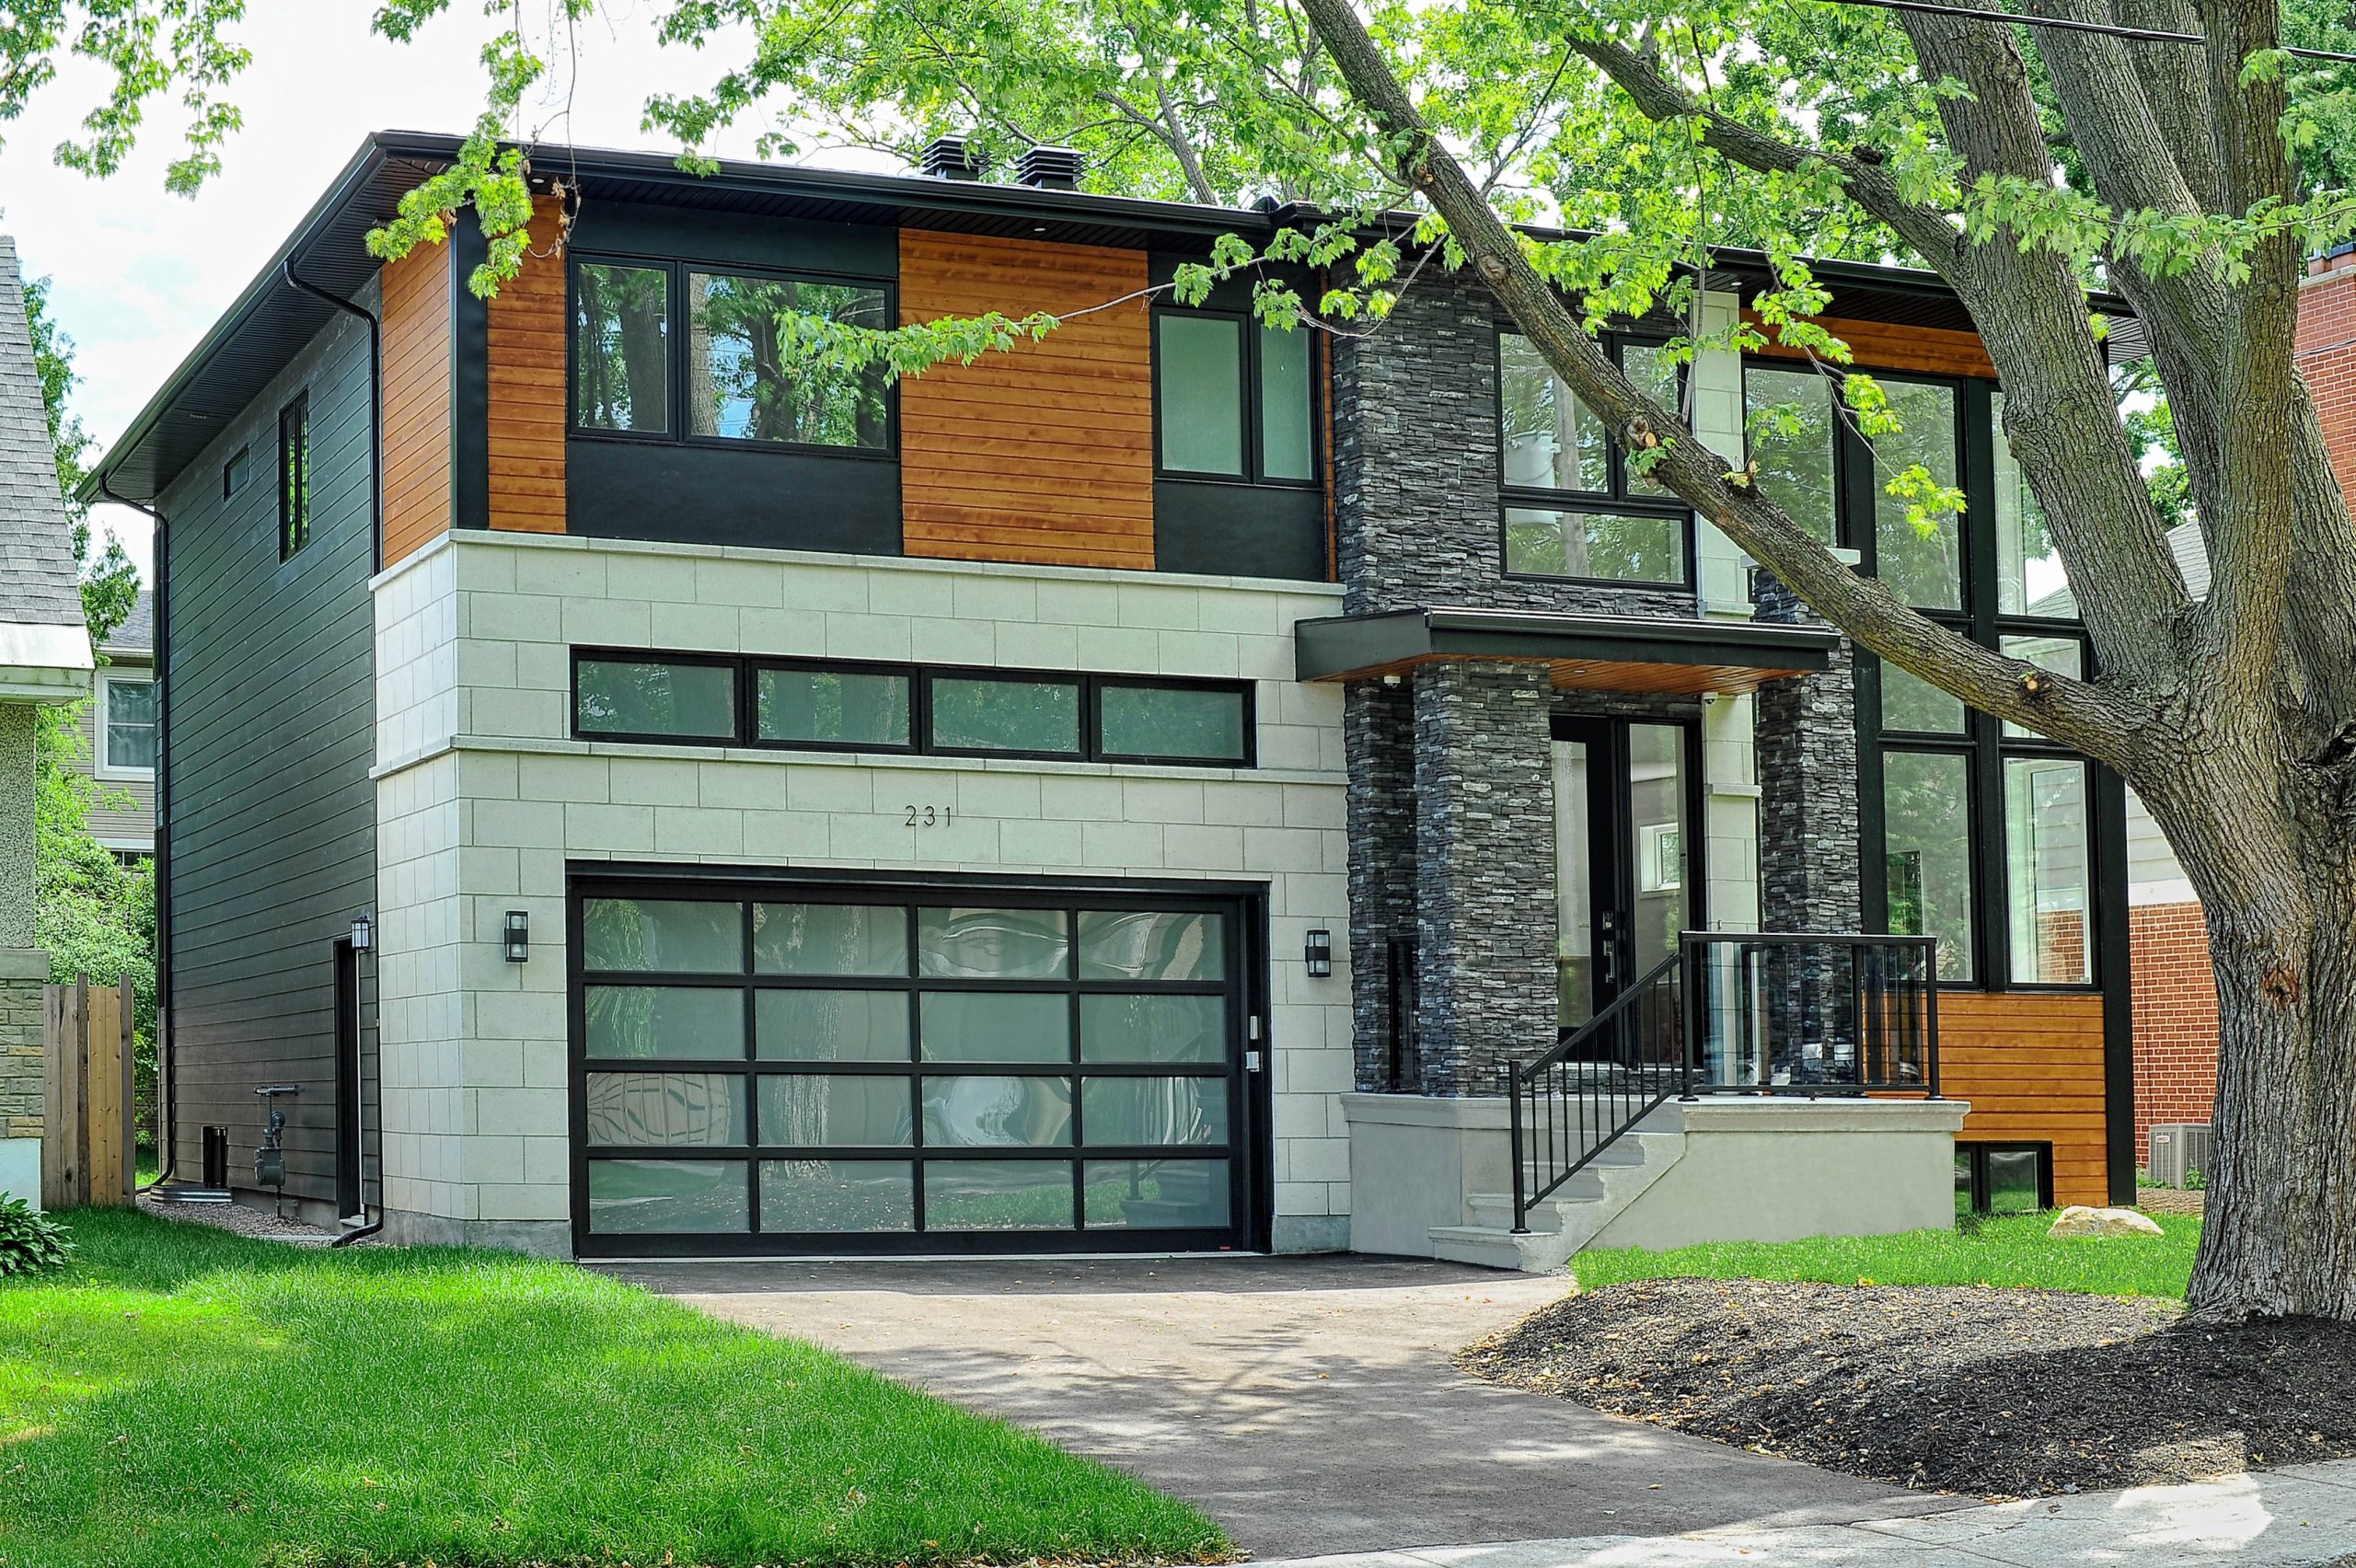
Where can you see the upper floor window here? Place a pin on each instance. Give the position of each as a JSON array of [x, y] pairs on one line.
[[1233, 399], [1573, 505], [708, 355], [295, 476], [1793, 416], [2030, 577], [126, 725], [236, 471]]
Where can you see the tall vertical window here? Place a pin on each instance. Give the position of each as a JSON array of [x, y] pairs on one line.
[[1926, 852], [621, 359], [1233, 398], [2049, 870], [295, 476], [1575, 506], [1793, 425], [1921, 561], [127, 725], [2030, 577]]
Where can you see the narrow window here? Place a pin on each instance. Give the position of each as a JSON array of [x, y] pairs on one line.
[[1285, 448], [1926, 837], [745, 382], [1922, 563], [2030, 577], [236, 471], [295, 476], [661, 699], [621, 365], [813, 704], [1793, 425], [2049, 870], [1199, 361], [1176, 722], [993, 714], [130, 716]]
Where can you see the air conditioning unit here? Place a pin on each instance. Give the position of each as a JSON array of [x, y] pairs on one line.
[[2179, 1147]]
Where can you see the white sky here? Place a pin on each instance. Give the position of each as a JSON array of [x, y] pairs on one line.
[[138, 275]]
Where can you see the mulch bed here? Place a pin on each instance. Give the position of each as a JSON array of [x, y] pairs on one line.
[[2172, 1200], [1993, 1392]]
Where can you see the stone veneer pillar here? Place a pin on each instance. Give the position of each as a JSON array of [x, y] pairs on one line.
[[1806, 736], [1485, 917], [24, 968], [1379, 733]]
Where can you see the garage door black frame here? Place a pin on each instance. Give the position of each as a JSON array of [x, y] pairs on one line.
[[1250, 1144]]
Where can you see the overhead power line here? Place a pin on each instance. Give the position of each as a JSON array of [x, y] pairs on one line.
[[2066, 24]]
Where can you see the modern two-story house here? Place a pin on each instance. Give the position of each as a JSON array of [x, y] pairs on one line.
[[1178, 784]]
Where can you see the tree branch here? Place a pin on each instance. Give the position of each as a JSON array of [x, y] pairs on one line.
[[2095, 719]]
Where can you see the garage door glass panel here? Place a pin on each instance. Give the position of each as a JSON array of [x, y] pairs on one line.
[[1158, 1194], [993, 944], [1138, 944], [972, 1111], [678, 936], [837, 1195], [812, 1110], [997, 1026], [668, 1197], [1126, 1112], [997, 1194], [665, 1022], [831, 1026], [830, 938], [668, 1110], [1152, 1028]]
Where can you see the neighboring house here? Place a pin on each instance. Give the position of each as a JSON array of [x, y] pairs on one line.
[[1157, 789], [44, 659], [118, 727]]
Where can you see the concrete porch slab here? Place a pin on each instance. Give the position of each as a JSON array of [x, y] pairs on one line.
[[1307, 1404]]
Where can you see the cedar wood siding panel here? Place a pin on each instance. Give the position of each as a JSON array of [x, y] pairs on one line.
[[417, 327], [1881, 345], [273, 724], [2031, 1064], [525, 370], [1042, 454]]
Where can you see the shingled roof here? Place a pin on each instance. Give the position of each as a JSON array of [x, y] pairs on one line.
[[44, 647]]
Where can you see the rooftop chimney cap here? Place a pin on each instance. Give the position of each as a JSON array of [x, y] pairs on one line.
[[953, 158], [1051, 168]]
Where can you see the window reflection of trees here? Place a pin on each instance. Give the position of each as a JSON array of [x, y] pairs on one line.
[[742, 380]]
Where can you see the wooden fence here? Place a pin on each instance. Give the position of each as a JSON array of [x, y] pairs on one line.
[[89, 1140]]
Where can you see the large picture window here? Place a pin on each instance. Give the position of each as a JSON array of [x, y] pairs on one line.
[[1232, 397], [694, 353], [1573, 505]]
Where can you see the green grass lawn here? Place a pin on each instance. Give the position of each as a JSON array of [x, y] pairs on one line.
[[2013, 1250], [181, 1398]]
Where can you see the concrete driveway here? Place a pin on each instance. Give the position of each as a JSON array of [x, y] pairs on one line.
[[1309, 1404]]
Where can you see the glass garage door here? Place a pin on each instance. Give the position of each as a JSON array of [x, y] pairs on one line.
[[824, 1071]]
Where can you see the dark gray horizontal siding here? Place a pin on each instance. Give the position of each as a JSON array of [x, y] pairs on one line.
[[272, 837]]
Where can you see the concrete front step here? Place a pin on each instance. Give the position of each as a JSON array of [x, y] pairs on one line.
[[1573, 1215]]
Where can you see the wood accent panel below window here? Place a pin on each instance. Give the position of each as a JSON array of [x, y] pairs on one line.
[[1883, 345], [2031, 1064], [1042, 454], [416, 371], [526, 355]]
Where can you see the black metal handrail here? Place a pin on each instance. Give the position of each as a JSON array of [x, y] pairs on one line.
[[1729, 1012], [1595, 1085]]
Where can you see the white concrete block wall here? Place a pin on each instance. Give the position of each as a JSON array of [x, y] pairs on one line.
[[524, 799]]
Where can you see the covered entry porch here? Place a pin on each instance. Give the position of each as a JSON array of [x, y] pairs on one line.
[[1568, 832]]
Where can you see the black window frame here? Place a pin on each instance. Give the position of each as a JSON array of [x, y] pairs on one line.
[[748, 669], [295, 476], [1250, 406], [675, 371], [1973, 1153], [236, 472], [1618, 501]]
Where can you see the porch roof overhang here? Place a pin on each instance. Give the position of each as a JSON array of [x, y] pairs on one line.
[[1637, 653]]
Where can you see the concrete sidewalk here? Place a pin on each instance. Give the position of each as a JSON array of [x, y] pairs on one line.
[[1308, 1404], [2298, 1517]]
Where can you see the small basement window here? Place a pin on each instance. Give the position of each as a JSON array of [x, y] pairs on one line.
[[2003, 1178]]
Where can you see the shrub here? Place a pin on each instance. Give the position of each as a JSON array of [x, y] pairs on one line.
[[30, 1240]]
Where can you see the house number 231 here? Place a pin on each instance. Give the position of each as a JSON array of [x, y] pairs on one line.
[[928, 817]]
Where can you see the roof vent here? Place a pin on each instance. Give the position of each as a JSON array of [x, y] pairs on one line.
[[1051, 168], [952, 157]]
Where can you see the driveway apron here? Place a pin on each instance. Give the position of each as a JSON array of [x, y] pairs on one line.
[[1309, 1404]]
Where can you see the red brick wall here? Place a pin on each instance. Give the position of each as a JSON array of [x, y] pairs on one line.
[[2327, 354], [2175, 1018]]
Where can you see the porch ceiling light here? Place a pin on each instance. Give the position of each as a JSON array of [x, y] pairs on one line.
[[518, 935], [1317, 955]]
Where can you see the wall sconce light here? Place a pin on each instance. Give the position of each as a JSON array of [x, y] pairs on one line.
[[363, 933], [518, 935], [1317, 953]]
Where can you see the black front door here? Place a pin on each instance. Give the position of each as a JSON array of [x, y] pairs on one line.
[[1624, 810]]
